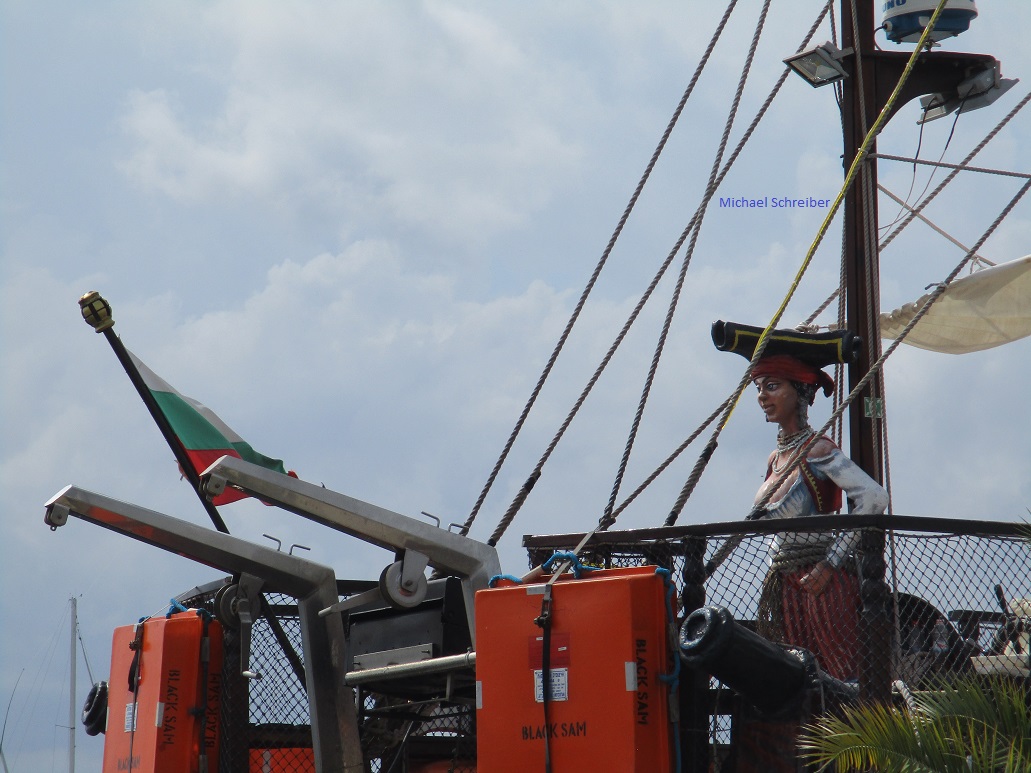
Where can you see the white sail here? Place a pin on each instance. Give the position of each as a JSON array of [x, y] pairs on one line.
[[989, 308]]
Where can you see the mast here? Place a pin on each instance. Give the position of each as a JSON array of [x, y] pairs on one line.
[[872, 76], [862, 294], [71, 688]]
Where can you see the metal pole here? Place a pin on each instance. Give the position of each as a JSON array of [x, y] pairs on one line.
[[441, 665], [71, 688], [97, 313]]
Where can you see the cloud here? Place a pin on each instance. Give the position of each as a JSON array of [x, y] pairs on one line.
[[311, 114]]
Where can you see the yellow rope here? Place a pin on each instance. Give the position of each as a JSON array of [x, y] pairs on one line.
[[861, 154]]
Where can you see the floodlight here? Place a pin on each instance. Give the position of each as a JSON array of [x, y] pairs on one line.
[[978, 90], [819, 65]]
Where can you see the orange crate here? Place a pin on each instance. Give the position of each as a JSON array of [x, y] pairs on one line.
[[610, 642], [155, 723], [290, 760]]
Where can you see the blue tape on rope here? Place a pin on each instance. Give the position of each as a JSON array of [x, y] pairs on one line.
[[173, 607], [563, 555]]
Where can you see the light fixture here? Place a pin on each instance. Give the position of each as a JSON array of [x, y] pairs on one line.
[[819, 65], [978, 90]]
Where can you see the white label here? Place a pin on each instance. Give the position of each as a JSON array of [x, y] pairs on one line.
[[130, 717], [631, 676], [559, 684], [479, 694], [159, 715]]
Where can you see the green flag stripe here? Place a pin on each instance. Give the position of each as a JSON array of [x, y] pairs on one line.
[[194, 431], [248, 454]]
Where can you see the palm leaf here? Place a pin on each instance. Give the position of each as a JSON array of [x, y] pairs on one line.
[[974, 725]]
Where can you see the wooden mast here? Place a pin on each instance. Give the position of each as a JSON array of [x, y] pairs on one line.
[[872, 76], [862, 297]]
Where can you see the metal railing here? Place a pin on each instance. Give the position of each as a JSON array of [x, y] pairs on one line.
[[929, 594], [940, 584]]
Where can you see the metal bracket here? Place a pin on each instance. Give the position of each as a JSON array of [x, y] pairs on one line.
[[334, 724], [248, 603], [56, 516], [418, 544], [213, 486], [357, 600], [413, 569]]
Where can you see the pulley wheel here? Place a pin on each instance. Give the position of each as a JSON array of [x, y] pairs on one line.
[[396, 596], [225, 606]]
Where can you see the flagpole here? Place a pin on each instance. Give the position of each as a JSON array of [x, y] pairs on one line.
[[97, 313]]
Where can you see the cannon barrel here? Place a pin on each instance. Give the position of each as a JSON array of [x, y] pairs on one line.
[[773, 679]]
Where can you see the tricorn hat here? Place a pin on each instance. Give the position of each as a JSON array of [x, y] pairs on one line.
[[817, 349]]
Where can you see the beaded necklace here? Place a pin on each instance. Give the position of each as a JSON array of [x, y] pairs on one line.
[[789, 443]]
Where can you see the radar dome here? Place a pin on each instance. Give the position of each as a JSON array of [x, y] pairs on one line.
[[905, 20]]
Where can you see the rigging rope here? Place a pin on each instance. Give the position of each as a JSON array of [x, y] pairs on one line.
[[85, 657], [606, 523], [517, 502], [850, 177], [915, 212], [710, 190], [939, 289], [952, 175], [597, 270], [933, 226], [801, 454], [945, 165]]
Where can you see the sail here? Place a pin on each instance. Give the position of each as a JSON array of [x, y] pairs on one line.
[[989, 308]]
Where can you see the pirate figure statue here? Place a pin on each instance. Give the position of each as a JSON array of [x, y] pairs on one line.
[[810, 596]]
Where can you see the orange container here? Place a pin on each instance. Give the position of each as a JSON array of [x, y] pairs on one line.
[[164, 695], [444, 766], [290, 760], [610, 642]]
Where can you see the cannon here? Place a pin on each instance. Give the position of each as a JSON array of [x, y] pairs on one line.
[[774, 679]]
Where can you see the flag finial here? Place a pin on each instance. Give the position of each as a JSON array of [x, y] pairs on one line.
[[96, 311]]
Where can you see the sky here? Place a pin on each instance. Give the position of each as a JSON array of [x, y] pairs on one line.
[[356, 231]]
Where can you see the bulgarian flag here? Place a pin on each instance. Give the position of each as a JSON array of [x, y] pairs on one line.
[[203, 435]]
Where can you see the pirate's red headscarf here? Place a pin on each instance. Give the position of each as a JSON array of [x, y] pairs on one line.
[[793, 369]]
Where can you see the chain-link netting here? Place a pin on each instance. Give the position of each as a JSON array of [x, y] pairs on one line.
[[265, 721], [401, 736], [903, 609]]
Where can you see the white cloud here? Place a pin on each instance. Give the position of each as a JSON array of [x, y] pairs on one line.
[[312, 114]]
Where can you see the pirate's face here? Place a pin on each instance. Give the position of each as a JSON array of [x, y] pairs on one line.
[[778, 399]]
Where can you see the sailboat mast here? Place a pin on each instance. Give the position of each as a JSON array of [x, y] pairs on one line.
[[862, 279], [71, 688]]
